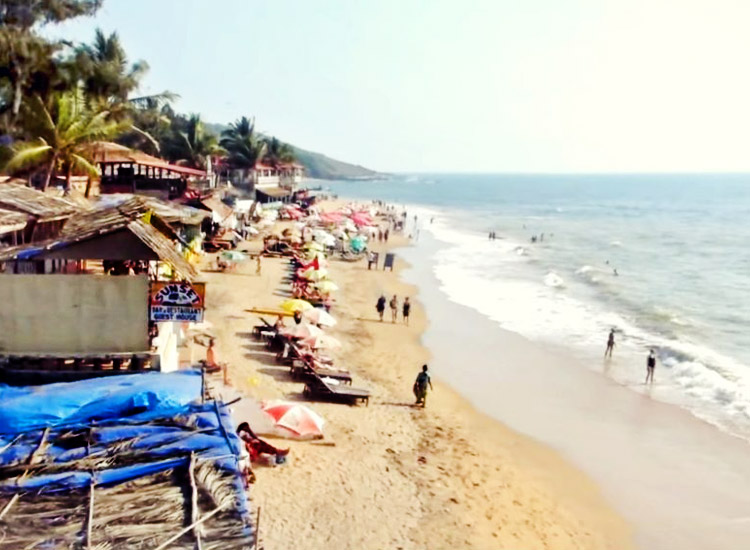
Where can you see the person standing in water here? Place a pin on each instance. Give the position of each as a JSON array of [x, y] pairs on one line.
[[420, 386], [650, 366], [610, 344]]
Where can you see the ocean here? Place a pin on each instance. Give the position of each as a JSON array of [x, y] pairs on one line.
[[662, 259]]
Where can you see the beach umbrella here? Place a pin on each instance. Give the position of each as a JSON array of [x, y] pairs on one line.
[[295, 417], [233, 255], [326, 286], [295, 304], [311, 272], [303, 330], [322, 342], [319, 316], [361, 218], [358, 243]]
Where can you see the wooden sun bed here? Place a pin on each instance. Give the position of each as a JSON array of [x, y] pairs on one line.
[[302, 369], [317, 388]]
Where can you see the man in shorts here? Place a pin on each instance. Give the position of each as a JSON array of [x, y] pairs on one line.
[[420, 386]]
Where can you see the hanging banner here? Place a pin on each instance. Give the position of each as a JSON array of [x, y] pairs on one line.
[[172, 301]]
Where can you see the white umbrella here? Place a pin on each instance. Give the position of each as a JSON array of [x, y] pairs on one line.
[[322, 342], [319, 317], [303, 330]]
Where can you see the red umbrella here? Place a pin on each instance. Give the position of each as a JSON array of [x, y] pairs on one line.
[[296, 418]]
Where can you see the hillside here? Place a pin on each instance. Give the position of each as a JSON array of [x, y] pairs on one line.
[[317, 165]]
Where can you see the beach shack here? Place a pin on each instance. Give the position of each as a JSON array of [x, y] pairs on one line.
[[276, 183], [79, 304], [28, 215], [125, 170]]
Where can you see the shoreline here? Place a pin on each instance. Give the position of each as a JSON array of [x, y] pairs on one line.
[[445, 477]]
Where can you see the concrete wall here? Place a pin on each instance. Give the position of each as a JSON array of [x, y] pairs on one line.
[[71, 314]]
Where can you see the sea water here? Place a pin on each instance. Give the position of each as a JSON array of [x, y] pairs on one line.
[[662, 259]]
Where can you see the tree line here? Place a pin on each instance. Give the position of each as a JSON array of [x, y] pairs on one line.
[[57, 98]]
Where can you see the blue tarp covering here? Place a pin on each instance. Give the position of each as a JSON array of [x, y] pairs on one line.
[[86, 417], [136, 396]]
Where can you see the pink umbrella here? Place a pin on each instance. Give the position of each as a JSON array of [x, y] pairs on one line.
[[360, 219], [331, 217], [298, 419]]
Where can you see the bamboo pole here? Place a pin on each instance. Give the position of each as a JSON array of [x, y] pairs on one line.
[[90, 520], [194, 502], [191, 526], [257, 530]]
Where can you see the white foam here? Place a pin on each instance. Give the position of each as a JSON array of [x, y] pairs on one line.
[[492, 278]]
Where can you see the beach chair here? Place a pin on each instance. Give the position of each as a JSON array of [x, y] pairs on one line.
[[304, 369], [265, 329], [318, 389]]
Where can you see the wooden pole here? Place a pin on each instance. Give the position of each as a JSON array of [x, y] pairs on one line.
[[90, 520], [194, 502], [190, 527], [257, 530]]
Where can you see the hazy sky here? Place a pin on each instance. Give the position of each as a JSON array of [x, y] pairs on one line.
[[450, 85]]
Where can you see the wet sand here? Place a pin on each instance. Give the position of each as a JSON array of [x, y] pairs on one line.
[[391, 475], [680, 482]]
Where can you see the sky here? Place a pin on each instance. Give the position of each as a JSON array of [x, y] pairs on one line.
[[459, 85]]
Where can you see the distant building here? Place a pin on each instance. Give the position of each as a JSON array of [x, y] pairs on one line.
[[273, 183]]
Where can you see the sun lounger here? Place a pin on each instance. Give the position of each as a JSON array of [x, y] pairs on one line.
[[304, 370], [317, 388]]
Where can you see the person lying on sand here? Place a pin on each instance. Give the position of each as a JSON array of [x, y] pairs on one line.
[[256, 446]]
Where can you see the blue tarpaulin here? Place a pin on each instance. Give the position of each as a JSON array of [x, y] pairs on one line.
[[159, 416], [68, 403]]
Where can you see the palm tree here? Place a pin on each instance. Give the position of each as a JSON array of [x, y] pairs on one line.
[[277, 152], [189, 144], [244, 149], [61, 135]]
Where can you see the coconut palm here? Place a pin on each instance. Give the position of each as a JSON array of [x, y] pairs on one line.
[[61, 135], [277, 152], [189, 144], [242, 145]]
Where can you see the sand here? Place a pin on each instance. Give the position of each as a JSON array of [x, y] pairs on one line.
[[390, 475]]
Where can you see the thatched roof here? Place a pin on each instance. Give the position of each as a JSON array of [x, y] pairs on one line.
[[30, 201], [169, 211], [93, 223], [108, 152], [149, 481], [11, 220]]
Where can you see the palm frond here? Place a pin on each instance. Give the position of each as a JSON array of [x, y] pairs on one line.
[[29, 154]]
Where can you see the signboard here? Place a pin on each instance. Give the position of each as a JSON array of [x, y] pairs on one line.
[[173, 301]]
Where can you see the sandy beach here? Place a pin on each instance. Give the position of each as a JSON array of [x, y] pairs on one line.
[[390, 475]]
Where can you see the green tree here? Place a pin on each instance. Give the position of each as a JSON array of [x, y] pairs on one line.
[[27, 63], [277, 152], [63, 132], [244, 148], [188, 143]]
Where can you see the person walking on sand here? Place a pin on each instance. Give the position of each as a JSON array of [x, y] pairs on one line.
[[258, 264], [406, 310], [380, 306], [650, 366], [610, 344], [394, 309], [420, 387]]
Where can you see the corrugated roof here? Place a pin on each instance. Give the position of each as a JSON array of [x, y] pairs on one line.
[[11, 217], [30, 201], [128, 214]]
